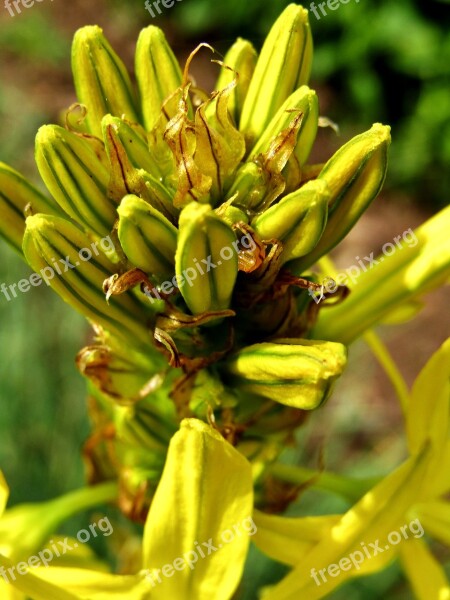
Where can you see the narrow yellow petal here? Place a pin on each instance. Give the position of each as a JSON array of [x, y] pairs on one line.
[[4, 493], [428, 411], [435, 518], [425, 574], [420, 265], [380, 512], [31, 585], [287, 540], [93, 585]]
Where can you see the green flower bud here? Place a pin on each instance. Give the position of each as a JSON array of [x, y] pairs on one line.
[[16, 193], [298, 220], [304, 101], [145, 425], [283, 65], [134, 141], [240, 60], [355, 175], [101, 79], [76, 268], [158, 74], [297, 373], [148, 239], [75, 177], [122, 374], [206, 260], [126, 179], [250, 186], [231, 214]]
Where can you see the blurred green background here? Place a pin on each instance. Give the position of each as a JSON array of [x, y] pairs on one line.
[[374, 61]]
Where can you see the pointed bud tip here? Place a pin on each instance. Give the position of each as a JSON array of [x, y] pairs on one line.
[[87, 33], [383, 131]]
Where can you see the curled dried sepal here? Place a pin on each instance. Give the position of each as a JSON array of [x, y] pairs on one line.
[[181, 139], [220, 147]]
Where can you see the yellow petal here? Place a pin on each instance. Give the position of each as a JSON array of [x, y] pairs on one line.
[[380, 512], [428, 411], [421, 264], [425, 574], [287, 540], [204, 501], [435, 518], [441, 485], [93, 585], [7, 592], [31, 585], [4, 493]]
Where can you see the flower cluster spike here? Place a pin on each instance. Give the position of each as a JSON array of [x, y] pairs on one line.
[[202, 308]]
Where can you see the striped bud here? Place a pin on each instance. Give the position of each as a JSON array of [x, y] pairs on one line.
[[146, 426], [75, 177], [298, 373], [355, 175], [283, 65], [239, 61], [16, 193], [101, 80], [158, 74], [75, 267], [298, 220], [304, 101], [148, 239], [206, 260], [134, 141]]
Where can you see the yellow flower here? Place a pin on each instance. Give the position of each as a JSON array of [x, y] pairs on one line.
[[326, 551], [196, 536]]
